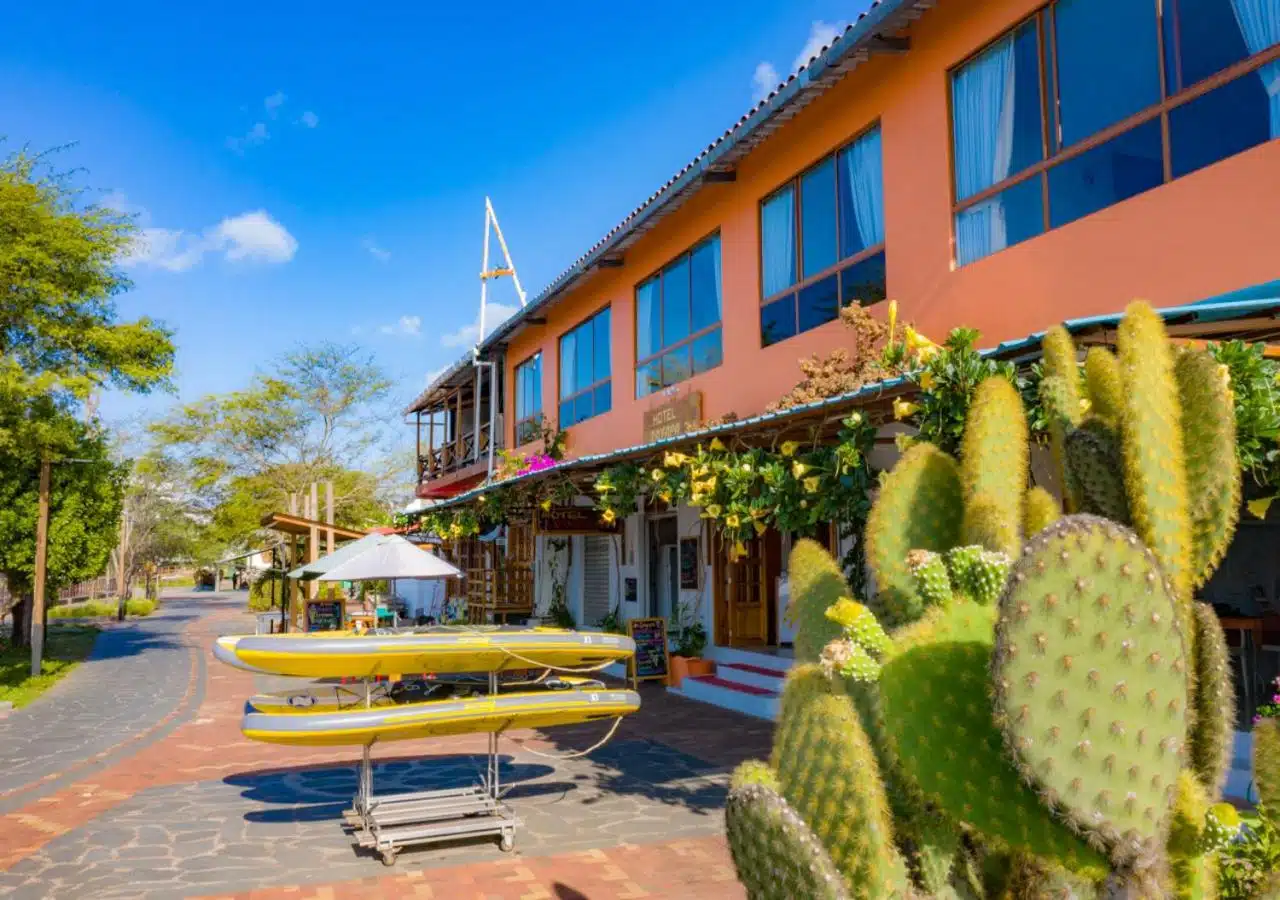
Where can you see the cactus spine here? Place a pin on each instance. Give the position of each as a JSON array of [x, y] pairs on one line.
[[1105, 385], [1213, 730], [1266, 761], [993, 465], [816, 584], [1060, 395], [1193, 872], [1040, 509]]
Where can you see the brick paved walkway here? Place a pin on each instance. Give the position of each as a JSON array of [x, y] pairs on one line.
[[188, 807]]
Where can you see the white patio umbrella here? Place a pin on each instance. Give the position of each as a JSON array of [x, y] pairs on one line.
[[393, 558]]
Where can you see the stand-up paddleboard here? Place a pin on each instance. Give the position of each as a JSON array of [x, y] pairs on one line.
[[224, 650], [337, 697], [442, 649], [475, 715]]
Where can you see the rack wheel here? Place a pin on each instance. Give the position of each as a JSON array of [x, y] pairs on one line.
[[508, 842], [389, 857]]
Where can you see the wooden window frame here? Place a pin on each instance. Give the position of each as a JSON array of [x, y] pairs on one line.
[[532, 417], [589, 320], [1049, 126], [794, 183], [688, 339]]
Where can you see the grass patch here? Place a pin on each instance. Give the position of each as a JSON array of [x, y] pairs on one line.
[[97, 609], [66, 646]]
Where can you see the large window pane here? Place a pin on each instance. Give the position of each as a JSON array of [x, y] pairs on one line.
[[861, 188], [1225, 121], [778, 242], [1205, 36], [603, 398], [1013, 215], [649, 378], [675, 366], [996, 113], [584, 357], [705, 275], [1122, 167], [566, 414], [568, 377], [778, 320], [602, 345], [819, 303], [675, 302], [707, 352], [818, 218], [648, 319], [582, 407], [1108, 63], [864, 283]]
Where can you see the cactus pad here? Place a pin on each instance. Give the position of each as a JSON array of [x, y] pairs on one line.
[[775, 853], [1213, 475], [938, 719], [1266, 761], [920, 507], [994, 460], [1058, 406], [1213, 729], [1090, 680], [1155, 474], [1093, 456], [1039, 510], [828, 773], [816, 585], [1105, 386], [932, 581], [1192, 869], [993, 523]]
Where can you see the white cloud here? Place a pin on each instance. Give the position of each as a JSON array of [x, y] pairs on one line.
[[408, 326], [308, 119], [495, 315], [252, 236], [433, 375], [764, 81], [821, 34], [379, 253], [255, 136], [273, 103]]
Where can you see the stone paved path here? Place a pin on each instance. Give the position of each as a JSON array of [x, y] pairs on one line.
[[187, 807]]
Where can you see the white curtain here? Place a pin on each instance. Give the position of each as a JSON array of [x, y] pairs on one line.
[[778, 237], [1259, 22], [982, 100], [865, 171]]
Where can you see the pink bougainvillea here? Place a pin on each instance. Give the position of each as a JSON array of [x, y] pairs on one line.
[[537, 463]]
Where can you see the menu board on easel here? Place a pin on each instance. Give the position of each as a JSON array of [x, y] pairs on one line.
[[652, 659], [324, 615]]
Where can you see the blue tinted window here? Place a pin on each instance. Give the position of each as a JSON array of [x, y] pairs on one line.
[[1225, 121], [602, 340], [1013, 215], [864, 282], [1121, 168], [528, 378], [1108, 63], [995, 101], [704, 271], [566, 414], [1203, 37], [778, 242], [568, 367], [648, 318], [778, 320], [675, 366], [707, 352], [603, 398], [649, 378], [675, 302], [584, 362], [860, 176], [819, 303], [818, 217]]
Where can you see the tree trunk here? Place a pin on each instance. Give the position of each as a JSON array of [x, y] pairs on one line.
[[22, 621]]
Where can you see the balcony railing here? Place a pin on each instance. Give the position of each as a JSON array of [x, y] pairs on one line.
[[469, 448], [495, 595]]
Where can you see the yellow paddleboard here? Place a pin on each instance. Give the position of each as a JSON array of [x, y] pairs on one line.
[[336, 697], [541, 709]]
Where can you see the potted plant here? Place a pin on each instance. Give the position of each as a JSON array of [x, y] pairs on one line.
[[687, 661]]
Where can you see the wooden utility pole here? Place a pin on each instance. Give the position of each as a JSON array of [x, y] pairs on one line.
[[42, 549]]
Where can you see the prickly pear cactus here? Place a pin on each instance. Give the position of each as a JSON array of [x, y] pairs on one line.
[[920, 507], [1093, 455], [827, 771], [1104, 384], [1193, 872], [1090, 681], [938, 719], [1040, 509], [933, 583], [1266, 761], [816, 585], [994, 462], [1213, 731], [776, 854], [1213, 477]]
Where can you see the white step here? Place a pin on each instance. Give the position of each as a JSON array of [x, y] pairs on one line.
[[750, 657], [769, 678], [750, 701]]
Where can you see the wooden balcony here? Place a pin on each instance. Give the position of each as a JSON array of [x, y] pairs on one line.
[[498, 595]]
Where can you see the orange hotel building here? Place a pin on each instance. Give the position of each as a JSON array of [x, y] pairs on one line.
[[1001, 164]]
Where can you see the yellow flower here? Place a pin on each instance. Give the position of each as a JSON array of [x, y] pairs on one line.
[[483, 498], [546, 505], [1260, 506], [761, 528], [798, 469], [713, 510], [855, 418], [739, 550], [903, 441], [893, 319], [674, 460], [921, 346], [705, 487], [656, 474], [746, 467], [717, 444], [902, 409], [664, 496], [603, 487], [701, 471], [732, 520], [789, 448], [811, 484], [609, 515], [1085, 404], [927, 381]]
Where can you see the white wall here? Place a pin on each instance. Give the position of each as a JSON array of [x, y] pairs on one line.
[[422, 597]]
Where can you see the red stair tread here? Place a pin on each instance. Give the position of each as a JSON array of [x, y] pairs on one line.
[[755, 670], [733, 686]]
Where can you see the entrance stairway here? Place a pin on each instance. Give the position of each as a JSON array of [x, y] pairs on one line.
[[744, 681]]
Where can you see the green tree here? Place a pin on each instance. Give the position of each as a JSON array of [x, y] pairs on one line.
[[316, 414], [61, 339]]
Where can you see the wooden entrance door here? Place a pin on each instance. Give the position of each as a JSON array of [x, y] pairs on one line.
[[746, 591]]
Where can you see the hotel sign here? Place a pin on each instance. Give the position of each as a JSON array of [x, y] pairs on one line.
[[679, 416], [567, 520]]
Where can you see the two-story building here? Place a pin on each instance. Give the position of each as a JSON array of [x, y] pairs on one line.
[[1005, 164]]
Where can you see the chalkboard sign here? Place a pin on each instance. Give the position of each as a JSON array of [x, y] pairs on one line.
[[324, 615], [689, 564], [652, 659]]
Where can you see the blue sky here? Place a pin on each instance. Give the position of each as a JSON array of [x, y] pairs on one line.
[[318, 171]]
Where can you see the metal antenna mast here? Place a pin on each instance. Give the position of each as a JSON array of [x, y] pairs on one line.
[[486, 273]]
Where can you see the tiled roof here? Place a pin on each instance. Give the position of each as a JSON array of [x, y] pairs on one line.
[[856, 44]]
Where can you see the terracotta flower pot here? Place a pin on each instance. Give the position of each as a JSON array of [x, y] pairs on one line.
[[683, 667]]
